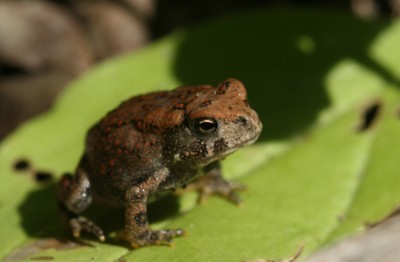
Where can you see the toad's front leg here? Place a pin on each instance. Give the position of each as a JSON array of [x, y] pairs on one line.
[[212, 183], [137, 231]]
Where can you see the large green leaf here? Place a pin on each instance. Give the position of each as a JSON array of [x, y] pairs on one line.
[[313, 176]]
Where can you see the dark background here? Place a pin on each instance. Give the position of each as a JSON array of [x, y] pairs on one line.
[[46, 44]]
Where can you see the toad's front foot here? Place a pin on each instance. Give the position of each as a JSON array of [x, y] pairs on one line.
[[81, 223], [208, 185], [151, 237]]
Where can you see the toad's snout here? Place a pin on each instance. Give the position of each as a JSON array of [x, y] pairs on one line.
[[251, 126]]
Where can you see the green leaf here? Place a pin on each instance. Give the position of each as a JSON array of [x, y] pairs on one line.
[[313, 176]]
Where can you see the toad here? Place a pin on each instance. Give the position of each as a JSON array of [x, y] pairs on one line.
[[153, 144]]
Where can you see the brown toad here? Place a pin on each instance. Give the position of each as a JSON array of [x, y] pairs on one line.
[[155, 143]]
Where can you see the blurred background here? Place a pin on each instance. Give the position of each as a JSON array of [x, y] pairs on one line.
[[46, 44]]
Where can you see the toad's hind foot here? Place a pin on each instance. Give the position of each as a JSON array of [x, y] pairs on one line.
[[81, 223], [151, 237]]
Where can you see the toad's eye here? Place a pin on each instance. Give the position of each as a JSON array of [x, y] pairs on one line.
[[205, 126]]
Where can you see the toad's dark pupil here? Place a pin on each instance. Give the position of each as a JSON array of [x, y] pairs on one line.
[[206, 126]]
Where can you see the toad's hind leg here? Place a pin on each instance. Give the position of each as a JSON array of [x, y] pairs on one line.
[[74, 197]]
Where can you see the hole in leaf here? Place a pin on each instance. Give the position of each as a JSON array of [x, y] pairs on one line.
[[43, 177], [21, 165], [369, 116], [39, 176]]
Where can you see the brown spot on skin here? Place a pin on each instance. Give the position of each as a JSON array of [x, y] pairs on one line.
[[103, 169], [191, 100], [112, 162], [220, 145], [155, 129], [146, 107], [177, 96], [141, 218], [179, 106], [205, 103], [221, 90], [192, 154], [197, 150], [162, 95], [139, 99], [107, 130], [154, 237], [140, 125], [223, 87]]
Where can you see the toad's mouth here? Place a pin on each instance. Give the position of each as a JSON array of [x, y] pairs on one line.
[[244, 143]]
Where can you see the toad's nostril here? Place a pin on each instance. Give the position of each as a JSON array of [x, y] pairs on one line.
[[241, 121]]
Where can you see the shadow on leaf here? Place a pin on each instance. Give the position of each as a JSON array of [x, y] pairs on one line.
[[40, 218], [282, 57]]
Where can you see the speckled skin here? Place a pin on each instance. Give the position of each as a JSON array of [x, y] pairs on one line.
[[155, 143]]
